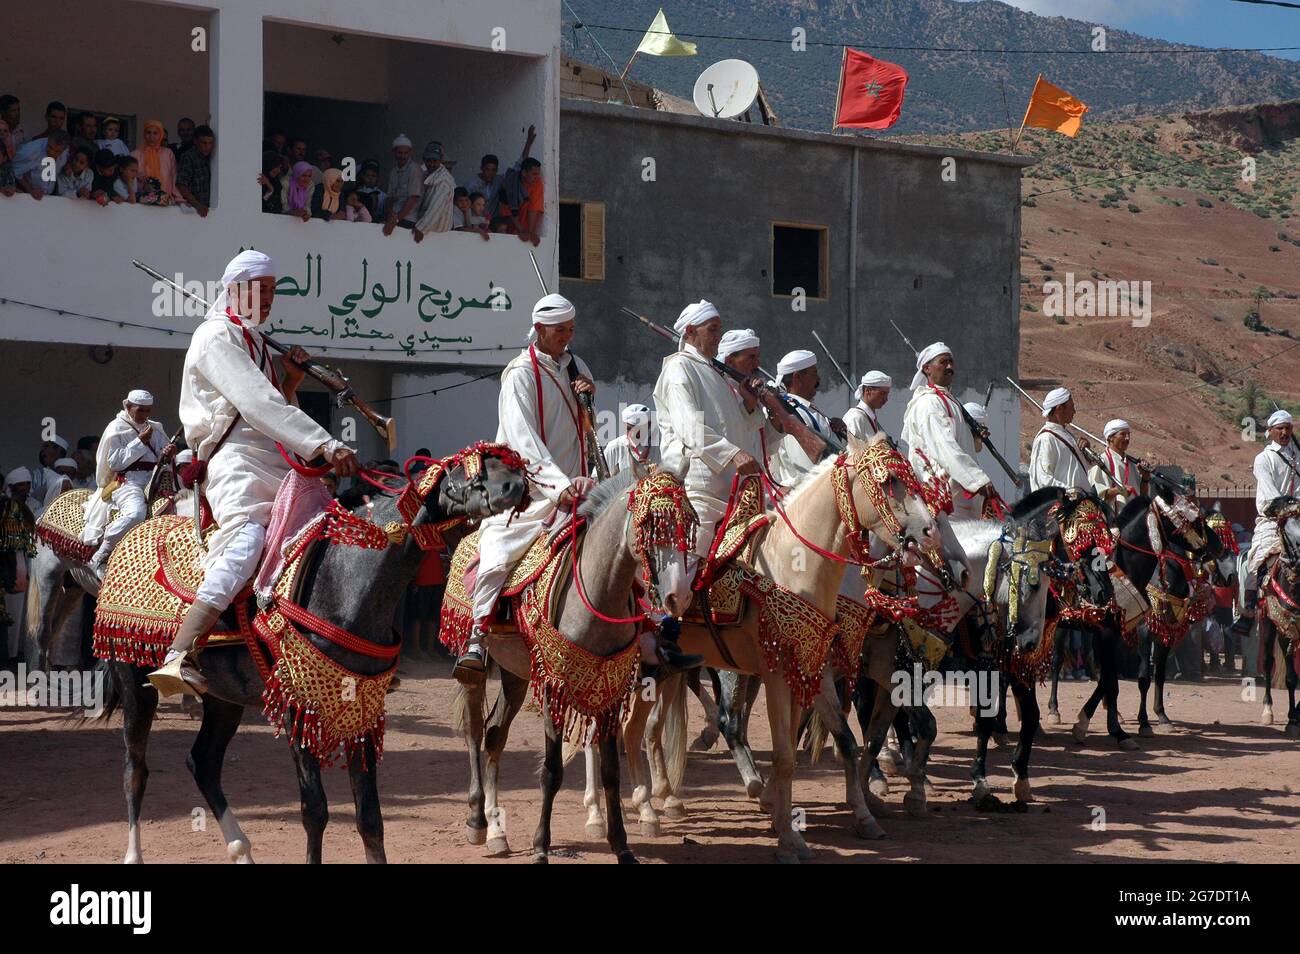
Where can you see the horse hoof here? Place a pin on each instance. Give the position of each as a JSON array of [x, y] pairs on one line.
[[1021, 791], [914, 804], [1266, 717], [674, 809], [650, 829], [240, 852], [878, 787], [784, 857], [475, 836], [596, 831], [1040, 734], [1164, 719], [626, 857], [1127, 745], [805, 853], [1145, 731], [890, 761], [1293, 730], [868, 829], [133, 859], [704, 741], [1080, 731], [498, 847], [930, 790], [539, 858], [754, 787], [981, 792], [1001, 739], [1054, 718]]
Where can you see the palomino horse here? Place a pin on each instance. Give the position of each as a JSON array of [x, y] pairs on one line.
[[633, 530], [1279, 617], [353, 588], [809, 563]]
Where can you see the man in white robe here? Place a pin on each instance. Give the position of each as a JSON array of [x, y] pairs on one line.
[[1115, 478], [540, 418], [129, 448], [873, 394], [1277, 474], [634, 449], [1057, 459], [940, 443], [236, 406], [65, 470], [799, 375]]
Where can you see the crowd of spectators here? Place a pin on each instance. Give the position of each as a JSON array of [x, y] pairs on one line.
[[421, 197], [91, 161]]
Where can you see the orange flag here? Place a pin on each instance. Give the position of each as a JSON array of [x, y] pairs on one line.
[[1051, 107]]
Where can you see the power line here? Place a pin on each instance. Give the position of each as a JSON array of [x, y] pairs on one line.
[[1194, 50], [1272, 3]]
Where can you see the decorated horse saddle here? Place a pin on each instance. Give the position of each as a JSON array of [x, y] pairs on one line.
[[730, 554], [63, 521]]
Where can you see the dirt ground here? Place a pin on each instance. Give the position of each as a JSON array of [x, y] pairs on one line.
[[1218, 786]]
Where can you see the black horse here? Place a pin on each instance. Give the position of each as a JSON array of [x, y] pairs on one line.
[[1280, 598], [354, 588]]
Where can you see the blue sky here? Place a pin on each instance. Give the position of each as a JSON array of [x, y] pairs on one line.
[[1202, 22]]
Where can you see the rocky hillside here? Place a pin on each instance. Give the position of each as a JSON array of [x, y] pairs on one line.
[[1167, 200], [948, 91]]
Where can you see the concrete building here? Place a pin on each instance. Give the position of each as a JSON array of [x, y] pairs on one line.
[[660, 208], [79, 326]]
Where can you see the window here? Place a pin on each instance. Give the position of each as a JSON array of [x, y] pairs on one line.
[[799, 259], [582, 240]]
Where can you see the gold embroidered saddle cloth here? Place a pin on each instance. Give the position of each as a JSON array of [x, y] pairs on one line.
[[64, 521], [732, 550], [151, 582], [457, 617]]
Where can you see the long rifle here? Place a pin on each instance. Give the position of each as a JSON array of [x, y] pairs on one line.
[[330, 377], [835, 364], [151, 491], [593, 450], [830, 440], [1096, 458], [976, 430]]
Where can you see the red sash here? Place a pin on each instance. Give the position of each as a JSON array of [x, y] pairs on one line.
[[541, 404]]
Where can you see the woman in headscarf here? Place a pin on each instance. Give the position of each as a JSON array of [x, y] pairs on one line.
[[299, 193], [272, 182], [326, 200], [157, 167]]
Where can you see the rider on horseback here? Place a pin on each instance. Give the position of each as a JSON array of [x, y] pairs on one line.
[[129, 450], [1277, 474], [236, 408]]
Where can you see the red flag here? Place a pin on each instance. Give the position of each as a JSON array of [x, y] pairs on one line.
[[871, 91]]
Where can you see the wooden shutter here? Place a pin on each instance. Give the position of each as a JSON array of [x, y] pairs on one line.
[[593, 241]]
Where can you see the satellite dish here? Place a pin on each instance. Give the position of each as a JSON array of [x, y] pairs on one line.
[[726, 89]]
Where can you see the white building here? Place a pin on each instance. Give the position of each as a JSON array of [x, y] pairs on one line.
[[79, 325]]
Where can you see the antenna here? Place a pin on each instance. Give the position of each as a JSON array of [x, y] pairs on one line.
[[726, 89]]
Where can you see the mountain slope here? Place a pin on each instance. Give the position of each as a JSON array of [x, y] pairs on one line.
[[948, 91]]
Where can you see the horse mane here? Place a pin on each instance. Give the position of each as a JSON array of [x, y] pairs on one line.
[[1132, 509], [800, 487], [605, 493], [1034, 502]]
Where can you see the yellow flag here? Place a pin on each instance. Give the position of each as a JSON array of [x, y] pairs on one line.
[[1051, 107], [659, 40]]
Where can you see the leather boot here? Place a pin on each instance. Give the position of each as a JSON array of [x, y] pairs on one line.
[[180, 671], [669, 652]]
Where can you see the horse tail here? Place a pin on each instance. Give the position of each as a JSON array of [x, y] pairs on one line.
[[34, 609], [674, 736], [817, 734], [111, 700]]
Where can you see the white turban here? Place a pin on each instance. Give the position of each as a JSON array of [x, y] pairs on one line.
[[636, 414], [401, 140], [64, 462], [977, 412], [738, 339], [19, 475], [552, 309], [694, 314], [1114, 427], [795, 361], [1055, 398], [1279, 417], [140, 398], [243, 267], [876, 379], [183, 457], [60, 441], [924, 358]]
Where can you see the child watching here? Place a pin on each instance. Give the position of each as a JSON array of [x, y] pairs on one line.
[[112, 128], [127, 186], [354, 210], [105, 179], [76, 177]]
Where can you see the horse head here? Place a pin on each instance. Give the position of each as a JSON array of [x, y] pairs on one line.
[[888, 499], [481, 480], [661, 530], [1023, 562], [1286, 511]]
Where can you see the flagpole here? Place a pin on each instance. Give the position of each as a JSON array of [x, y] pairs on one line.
[[629, 63], [839, 88], [1027, 109], [1007, 109]]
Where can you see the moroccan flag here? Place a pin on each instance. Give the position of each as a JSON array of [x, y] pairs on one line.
[[659, 40], [871, 92], [1051, 107]]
